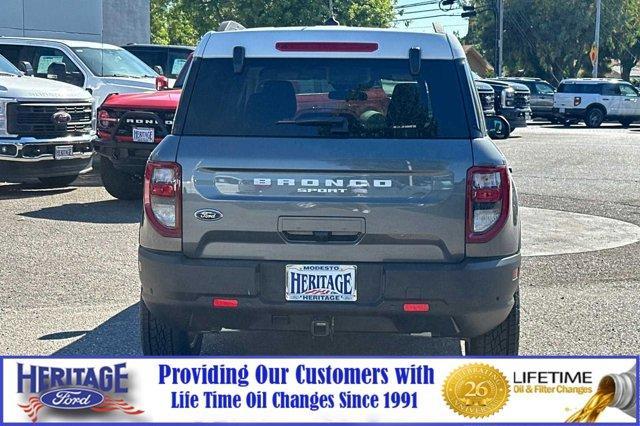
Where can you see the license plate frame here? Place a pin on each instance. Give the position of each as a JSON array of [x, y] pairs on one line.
[[339, 284], [63, 152], [144, 134]]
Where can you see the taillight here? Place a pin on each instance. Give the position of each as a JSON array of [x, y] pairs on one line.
[[163, 197], [322, 46], [488, 198], [105, 119], [577, 100]]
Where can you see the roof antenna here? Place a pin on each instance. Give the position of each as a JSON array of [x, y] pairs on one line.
[[332, 18]]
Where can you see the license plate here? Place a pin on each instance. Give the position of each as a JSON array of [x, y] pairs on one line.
[[62, 152], [321, 283], [143, 135]]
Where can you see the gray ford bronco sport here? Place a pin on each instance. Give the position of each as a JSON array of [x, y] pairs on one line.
[[327, 180]]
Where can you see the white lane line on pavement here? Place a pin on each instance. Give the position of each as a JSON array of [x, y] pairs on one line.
[[550, 232]]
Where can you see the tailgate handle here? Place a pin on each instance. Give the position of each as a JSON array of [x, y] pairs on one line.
[[321, 229]]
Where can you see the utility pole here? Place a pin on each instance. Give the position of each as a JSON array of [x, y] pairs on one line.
[[499, 14], [596, 43]]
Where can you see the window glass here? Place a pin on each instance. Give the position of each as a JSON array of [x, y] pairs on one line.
[[628, 90], [544, 89], [113, 63], [7, 67], [11, 53], [175, 61], [151, 57], [611, 89], [53, 63], [293, 97]]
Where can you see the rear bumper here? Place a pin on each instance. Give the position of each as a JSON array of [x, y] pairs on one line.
[[570, 112], [466, 299], [130, 157]]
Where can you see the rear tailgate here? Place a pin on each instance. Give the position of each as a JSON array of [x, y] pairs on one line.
[[325, 200]]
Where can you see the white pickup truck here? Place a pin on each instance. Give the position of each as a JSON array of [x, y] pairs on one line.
[[46, 129], [99, 68]]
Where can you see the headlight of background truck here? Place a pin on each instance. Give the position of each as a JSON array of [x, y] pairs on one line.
[[3, 115], [508, 97]]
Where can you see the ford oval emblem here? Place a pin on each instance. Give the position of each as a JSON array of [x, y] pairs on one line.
[[208, 215], [71, 398], [61, 117]]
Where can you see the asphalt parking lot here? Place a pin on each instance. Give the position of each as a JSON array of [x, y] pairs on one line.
[[69, 283]]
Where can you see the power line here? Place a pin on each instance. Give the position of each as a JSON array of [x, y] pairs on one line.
[[422, 17], [423, 3]]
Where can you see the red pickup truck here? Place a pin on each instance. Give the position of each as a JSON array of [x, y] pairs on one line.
[[129, 128]]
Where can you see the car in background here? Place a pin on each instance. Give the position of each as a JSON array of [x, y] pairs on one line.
[[596, 100], [101, 69], [46, 129], [541, 97], [487, 98], [512, 101], [129, 128], [165, 60]]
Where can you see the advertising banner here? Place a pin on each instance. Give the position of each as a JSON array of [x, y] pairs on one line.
[[320, 389]]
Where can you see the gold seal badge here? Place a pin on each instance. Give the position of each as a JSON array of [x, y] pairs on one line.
[[476, 390]]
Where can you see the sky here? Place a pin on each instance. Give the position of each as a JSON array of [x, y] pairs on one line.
[[452, 23]]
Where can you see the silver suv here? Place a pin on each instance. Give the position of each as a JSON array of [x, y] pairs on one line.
[[329, 180]]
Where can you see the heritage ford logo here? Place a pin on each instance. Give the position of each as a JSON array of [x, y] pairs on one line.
[[61, 117], [336, 186], [73, 388], [208, 215], [71, 398]]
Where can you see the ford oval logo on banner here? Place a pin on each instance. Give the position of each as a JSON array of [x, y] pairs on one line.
[[71, 398]]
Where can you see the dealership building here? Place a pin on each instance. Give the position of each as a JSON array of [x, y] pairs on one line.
[[108, 21]]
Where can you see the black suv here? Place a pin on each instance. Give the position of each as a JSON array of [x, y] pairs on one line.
[[169, 59], [511, 101]]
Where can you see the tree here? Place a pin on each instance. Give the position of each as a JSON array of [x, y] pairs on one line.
[[552, 39], [184, 21]]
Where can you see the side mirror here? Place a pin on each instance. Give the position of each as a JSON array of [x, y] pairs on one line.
[[158, 69], [498, 127], [162, 83], [57, 71], [25, 67]]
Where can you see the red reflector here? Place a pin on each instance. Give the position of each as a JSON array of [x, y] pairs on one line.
[[487, 195], [162, 189], [225, 303], [313, 46], [416, 307]]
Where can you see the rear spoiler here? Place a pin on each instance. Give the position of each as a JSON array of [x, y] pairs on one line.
[[230, 26]]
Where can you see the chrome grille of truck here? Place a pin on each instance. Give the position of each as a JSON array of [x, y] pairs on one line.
[[522, 100], [36, 119]]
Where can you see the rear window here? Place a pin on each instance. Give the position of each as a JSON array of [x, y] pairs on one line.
[[290, 97], [579, 88]]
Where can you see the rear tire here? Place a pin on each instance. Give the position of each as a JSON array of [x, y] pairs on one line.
[[502, 340], [594, 117], [119, 184], [160, 338], [57, 181]]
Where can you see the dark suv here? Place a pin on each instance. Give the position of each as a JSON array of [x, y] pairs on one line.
[[166, 60], [541, 97], [512, 101], [329, 180]]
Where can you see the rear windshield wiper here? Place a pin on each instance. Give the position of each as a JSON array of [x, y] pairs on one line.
[[337, 124]]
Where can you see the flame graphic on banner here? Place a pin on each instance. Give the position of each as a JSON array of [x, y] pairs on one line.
[[110, 404], [32, 407]]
